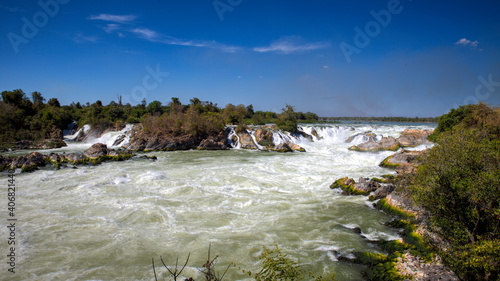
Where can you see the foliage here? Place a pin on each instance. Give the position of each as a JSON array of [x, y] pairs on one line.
[[22, 118], [458, 183], [287, 120], [277, 266]]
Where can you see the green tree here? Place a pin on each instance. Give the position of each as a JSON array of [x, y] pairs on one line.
[[458, 183], [154, 107], [54, 102], [287, 120]]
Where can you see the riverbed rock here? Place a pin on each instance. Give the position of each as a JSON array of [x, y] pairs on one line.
[[382, 192], [264, 137], [246, 140], [401, 157], [366, 186], [412, 138], [283, 147], [386, 143], [297, 147], [212, 144], [368, 136], [29, 162], [96, 150], [74, 157]]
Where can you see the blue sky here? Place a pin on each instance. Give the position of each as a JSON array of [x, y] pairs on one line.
[[334, 58]]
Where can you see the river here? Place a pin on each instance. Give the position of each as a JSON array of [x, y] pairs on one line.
[[107, 222]]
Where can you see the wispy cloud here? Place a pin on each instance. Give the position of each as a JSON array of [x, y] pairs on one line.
[[146, 33], [291, 44], [124, 24], [110, 27], [80, 38], [114, 18], [466, 42]]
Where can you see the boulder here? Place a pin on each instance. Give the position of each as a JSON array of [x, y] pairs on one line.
[[366, 186], [282, 147], [246, 140], [406, 169], [54, 157], [401, 157], [297, 147], [382, 192], [367, 136], [264, 137], [386, 143], [29, 162], [412, 138], [211, 144], [74, 157], [96, 150]]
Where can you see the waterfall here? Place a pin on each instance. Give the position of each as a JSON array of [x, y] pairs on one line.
[[252, 134], [115, 138], [230, 135], [85, 129], [280, 137]]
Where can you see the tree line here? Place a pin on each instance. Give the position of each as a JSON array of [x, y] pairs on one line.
[[33, 118]]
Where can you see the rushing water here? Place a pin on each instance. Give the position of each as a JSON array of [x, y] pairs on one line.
[[107, 222]]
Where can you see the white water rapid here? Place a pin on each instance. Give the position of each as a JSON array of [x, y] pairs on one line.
[[106, 222]]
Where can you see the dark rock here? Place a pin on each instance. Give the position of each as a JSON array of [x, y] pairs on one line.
[[211, 144], [119, 140], [382, 192], [74, 157], [29, 162], [366, 186], [282, 147], [96, 150]]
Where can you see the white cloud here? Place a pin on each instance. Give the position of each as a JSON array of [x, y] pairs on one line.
[[146, 33], [291, 44], [112, 27], [80, 38], [466, 42], [118, 22], [114, 18], [325, 66]]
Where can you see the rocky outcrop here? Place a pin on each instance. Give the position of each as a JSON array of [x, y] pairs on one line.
[[96, 150], [29, 162], [368, 136], [412, 138], [96, 154], [400, 158], [246, 140], [41, 144], [212, 144], [265, 137], [386, 143], [404, 162], [96, 132], [382, 192], [408, 138]]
